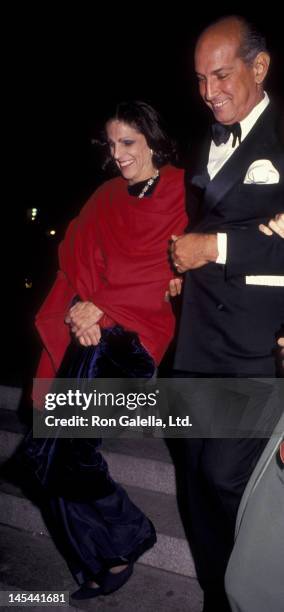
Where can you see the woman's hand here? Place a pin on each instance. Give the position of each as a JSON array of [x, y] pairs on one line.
[[82, 319], [175, 286], [91, 337], [275, 226]]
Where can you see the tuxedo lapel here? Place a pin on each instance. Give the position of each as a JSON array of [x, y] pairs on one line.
[[200, 177], [234, 170], [196, 179]]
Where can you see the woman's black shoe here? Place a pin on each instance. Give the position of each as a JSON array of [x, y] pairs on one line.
[[112, 582], [85, 592]]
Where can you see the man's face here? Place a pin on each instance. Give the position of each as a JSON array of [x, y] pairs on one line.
[[228, 85]]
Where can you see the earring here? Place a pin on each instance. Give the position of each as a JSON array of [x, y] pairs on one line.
[[151, 151]]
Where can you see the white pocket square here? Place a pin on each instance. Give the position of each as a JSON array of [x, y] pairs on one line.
[[262, 172]]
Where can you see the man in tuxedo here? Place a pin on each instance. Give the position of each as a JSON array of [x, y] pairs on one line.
[[233, 299]]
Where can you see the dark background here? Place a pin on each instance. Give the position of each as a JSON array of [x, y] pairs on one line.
[[65, 72]]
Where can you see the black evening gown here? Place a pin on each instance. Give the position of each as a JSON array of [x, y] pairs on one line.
[[94, 523]]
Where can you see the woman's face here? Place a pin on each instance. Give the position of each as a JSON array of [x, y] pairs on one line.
[[130, 151]]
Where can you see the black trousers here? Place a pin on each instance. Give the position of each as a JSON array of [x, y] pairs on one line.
[[215, 473], [211, 477]]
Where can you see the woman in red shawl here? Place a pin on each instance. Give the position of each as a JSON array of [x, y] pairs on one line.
[[110, 297]]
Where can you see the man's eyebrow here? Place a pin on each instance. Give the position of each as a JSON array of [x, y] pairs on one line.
[[217, 71]]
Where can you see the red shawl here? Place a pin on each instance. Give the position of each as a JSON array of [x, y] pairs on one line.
[[115, 255]]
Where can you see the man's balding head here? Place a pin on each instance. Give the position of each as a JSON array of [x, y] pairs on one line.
[[231, 63]]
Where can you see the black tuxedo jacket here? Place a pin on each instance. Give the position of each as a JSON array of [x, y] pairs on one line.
[[228, 326]]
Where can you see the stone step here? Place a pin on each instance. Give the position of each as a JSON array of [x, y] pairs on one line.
[[171, 552], [125, 467], [32, 562], [146, 447], [142, 466], [10, 397], [160, 507]]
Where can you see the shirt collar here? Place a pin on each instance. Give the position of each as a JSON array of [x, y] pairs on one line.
[[248, 122]]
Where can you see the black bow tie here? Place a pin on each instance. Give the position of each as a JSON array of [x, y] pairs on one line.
[[221, 133]]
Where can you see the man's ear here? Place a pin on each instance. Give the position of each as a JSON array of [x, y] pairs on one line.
[[261, 66]]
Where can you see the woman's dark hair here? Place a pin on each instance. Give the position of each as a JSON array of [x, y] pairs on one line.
[[146, 120]]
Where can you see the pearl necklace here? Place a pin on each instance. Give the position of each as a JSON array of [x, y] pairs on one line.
[[148, 184]]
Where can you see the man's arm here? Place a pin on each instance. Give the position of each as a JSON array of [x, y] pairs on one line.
[[192, 251], [248, 252], [251, 252]]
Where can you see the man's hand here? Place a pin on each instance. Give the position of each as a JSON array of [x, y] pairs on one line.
[[280, 342], [275, 226], [192, 251], [82, 319], [175, 286]]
